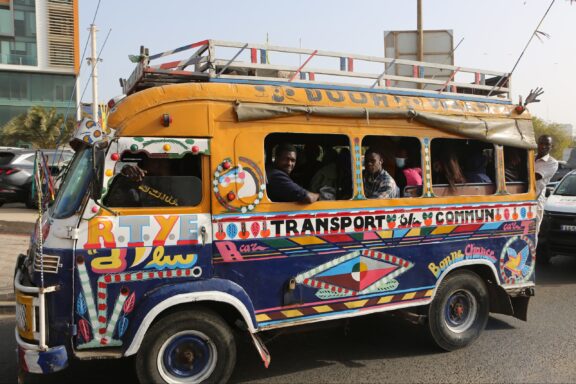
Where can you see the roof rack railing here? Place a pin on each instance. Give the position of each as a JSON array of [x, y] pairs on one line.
[[246, 61]]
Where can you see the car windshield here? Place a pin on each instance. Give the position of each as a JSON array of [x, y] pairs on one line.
[[74, 186], [567, 187]]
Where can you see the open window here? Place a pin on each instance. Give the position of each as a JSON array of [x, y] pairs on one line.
[[516, 169], [323, 165], [401, 161], [155, 180], [463, 167]]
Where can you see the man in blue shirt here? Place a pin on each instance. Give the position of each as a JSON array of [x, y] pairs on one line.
[[280, 186]]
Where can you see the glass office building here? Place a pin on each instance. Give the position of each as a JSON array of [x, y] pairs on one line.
[[38, 56]]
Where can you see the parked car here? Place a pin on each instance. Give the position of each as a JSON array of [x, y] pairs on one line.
[[16, 173], [558, 230]]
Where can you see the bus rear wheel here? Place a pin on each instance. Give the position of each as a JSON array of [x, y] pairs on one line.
[[459, 312], [187, 347]]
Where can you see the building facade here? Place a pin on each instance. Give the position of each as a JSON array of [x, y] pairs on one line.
[[39, 56]]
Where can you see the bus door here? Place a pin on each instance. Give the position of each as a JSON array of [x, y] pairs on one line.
[[150, 230]]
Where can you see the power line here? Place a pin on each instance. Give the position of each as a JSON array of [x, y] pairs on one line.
[[498, 85]]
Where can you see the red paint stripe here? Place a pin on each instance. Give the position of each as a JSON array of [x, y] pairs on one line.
[[467, 228], [338, 238]]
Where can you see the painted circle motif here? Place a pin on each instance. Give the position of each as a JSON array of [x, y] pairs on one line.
[[359, 270], [240, 187], [517, 260]]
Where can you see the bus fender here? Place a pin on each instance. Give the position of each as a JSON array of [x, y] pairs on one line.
[[165, 297]]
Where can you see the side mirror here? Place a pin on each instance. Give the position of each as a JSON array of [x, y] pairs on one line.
[[98, 156], [548, 192]]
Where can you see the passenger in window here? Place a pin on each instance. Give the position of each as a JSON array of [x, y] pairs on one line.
[[446, 169], [408, 171], [378, 184], [333, 181], [280, 187], [308, 165], [475, 165], [513, 165]]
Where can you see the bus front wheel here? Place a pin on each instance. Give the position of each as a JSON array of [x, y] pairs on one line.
[[459, 312], [187, 347]]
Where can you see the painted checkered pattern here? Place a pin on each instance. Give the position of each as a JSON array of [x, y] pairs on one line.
[[428, 167], [358, 169]]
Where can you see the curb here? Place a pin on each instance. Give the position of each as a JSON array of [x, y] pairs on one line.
[[7, 307]]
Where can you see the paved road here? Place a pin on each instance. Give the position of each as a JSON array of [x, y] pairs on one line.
[[381, 349], [17, 212]]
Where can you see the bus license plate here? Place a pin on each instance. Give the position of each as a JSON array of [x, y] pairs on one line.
[[568, 228]]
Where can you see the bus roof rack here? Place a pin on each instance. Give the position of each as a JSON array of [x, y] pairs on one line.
[[215, 60]]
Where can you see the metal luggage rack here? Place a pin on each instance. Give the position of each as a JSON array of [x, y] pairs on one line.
[[246, 62]]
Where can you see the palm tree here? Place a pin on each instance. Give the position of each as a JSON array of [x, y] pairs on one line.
[[39, 127]]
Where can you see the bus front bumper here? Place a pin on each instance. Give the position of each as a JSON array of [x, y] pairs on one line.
[[33, 354], [35, 360]]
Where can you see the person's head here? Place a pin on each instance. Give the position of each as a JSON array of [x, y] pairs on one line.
[[285, 158], [544, 145], [401, 156], [373, 161], [512, 156]]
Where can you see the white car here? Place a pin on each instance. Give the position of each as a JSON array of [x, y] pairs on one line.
[[558, 230]]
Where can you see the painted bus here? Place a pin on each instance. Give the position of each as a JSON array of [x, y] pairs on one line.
[[168, 263]]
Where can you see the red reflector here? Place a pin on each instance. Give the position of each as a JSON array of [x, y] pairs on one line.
[[11, 171], [1, 171]]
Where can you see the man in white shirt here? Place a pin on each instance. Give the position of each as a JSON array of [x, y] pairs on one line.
[[545, 167]]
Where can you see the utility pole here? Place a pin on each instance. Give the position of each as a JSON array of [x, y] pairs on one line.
[[93, 60], [420, 32]]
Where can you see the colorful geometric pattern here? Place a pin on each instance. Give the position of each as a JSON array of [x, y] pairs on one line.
[[269, 317], [298, 246], [226, 175], [94, 326], [358, 169], [428, 175], [357, 273]]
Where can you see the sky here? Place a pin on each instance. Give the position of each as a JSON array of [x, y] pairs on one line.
[[494, 31]]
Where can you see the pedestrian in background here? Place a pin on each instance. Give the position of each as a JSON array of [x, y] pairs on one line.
[[545, 167]]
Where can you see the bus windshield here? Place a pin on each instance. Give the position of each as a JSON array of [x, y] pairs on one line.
[[74, 186]]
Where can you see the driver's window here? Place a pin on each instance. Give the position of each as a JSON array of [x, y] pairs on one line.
[[149, 180]]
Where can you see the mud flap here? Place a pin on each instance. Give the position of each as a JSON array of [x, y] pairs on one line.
[[262, 350], [520, 305]]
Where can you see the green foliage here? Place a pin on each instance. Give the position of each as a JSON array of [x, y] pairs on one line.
[[561, 138], [39, 127]]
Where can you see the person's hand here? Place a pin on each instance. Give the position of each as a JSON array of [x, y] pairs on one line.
[[133, 172]]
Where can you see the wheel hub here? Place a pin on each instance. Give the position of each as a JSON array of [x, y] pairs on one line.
[[188, 356], [460, 311]]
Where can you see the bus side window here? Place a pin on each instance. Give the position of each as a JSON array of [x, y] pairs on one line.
[[516, 169], [148, 181], [463, 167], [401, 161], [323, 166]]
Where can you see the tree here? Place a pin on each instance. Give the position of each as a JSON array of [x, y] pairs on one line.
[[561, 139], [39, 127]]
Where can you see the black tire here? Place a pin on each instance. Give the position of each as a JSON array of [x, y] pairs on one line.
[[459, 312], [199, 336]]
